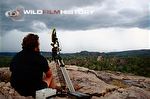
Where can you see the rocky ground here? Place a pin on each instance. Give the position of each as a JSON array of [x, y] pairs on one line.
[[99, 84]]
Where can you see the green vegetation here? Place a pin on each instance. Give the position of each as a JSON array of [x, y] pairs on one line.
[[5, 61], [135, 62], [119, 83]]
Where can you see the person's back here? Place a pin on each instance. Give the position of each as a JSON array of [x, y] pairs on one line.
[[27, 68]]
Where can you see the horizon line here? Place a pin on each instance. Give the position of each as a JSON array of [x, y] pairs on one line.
[[79, 51]]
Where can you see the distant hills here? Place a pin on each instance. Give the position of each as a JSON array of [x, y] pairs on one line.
[[130, 53], [144, 52], [7, 54]]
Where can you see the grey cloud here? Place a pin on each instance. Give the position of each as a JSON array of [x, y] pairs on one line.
[[52, 4], [100, 19], [65, 4], [143, 22], [129, 13]]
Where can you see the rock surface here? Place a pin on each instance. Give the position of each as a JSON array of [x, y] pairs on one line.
[[99, 84]]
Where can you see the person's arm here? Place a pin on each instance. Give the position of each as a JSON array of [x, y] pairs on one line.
[[49, 79], [48, 73]]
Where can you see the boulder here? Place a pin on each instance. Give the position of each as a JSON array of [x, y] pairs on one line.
[[99, 84]]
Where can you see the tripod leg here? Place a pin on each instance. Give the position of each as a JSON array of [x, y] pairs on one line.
[[60, 76]]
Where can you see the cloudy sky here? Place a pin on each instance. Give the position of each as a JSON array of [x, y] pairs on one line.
[[115, 25]]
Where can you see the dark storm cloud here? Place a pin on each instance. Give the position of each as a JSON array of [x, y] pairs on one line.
[[7, 24], [106, 15]]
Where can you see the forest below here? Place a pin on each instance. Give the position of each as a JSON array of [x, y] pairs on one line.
[[136, 62]]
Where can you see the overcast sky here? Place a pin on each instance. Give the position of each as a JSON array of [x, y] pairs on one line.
[[115, 25]]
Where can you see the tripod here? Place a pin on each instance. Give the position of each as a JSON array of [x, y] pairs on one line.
[[60, 64]]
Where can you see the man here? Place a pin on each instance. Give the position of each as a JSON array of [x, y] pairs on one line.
[[27, 68]]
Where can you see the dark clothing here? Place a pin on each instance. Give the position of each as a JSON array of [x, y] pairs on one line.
[[27, 72]]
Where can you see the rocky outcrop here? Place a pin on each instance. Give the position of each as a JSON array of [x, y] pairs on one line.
[[110, 85], [6, 91], [99, 84], [4, 75]]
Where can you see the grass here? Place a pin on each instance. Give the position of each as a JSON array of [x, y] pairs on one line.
[[119, 83]]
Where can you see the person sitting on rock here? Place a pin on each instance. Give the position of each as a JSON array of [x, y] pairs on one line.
[[28, 67]]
